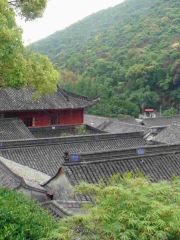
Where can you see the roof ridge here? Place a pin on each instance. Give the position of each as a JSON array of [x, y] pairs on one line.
[[132, 124], [67, 140], [155, 148], [161, 117], [120, 159]]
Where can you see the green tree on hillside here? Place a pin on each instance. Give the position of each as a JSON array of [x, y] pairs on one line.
[[132, 50], [20, 67]]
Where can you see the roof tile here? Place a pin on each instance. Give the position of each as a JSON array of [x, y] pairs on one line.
[[19, 100]]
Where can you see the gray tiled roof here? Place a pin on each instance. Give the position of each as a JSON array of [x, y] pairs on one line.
[[49, 132], [8, 178], [94, 121], [161, 121], [159, 166], [130, 120], [115, 125], [97, 121], [121, 127], [13, 129], [47, 155], [170, 135], [60, 209], [15, 100]]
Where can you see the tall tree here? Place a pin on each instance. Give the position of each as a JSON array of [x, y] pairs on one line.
[[20, 67]]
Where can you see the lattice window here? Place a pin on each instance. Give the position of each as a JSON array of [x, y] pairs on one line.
[[53, 120], [28, 122]]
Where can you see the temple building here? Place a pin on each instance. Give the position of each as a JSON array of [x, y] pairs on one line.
[[60, 108]]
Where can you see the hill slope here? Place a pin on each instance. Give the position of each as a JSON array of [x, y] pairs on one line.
[[130, 53]]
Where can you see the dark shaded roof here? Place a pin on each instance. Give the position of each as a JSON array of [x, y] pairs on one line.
[[19, 100], [158, 166], [61, 209], [169, 135], [161, 121], [13, 129], [56, 131], [46, 155]]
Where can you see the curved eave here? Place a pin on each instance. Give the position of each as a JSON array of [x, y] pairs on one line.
[[93, 101]]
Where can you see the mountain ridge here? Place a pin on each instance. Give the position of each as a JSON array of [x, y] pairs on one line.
[[130, 53]]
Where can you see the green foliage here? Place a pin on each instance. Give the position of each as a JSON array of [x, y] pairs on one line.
[[66, 135], [81, 130], [127, 209], [21, 218], [170, 112], [131, 50], [20, 67]]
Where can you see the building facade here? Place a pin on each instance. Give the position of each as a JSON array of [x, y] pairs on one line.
[[60, 108]]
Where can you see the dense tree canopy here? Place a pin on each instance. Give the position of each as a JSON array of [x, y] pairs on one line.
[[130, 52], [20, 67]]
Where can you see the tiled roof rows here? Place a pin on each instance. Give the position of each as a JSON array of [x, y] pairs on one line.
[[13, 129], [170, 135], [15, 176], [130, 120], [30, 176], [115, 125], [48, 157], [19, 100], [157, 167], [121, 127], [96, 121], [8, 178], [161, 121]]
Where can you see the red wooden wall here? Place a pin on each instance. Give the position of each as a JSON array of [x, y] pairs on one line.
[[42, 118]]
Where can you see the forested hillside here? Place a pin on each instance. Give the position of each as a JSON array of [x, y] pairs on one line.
[[130, 53]]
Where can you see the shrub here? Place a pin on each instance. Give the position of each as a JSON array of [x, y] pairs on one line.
[[170, 112], [21, 218], [81, 130], [130, 209]]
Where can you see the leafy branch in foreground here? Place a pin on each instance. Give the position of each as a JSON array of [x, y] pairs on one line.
[[21, 218], [128, 209], [30, 9]]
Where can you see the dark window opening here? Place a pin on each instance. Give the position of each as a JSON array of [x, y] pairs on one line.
[[53, 120], [28, 122]]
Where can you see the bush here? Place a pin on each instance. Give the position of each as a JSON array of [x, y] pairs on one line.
[[81, 130], [130, 209], [170, 112], [21, 218]]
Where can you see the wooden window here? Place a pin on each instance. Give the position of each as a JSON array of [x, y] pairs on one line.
[[53, 120], [28, 122]]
